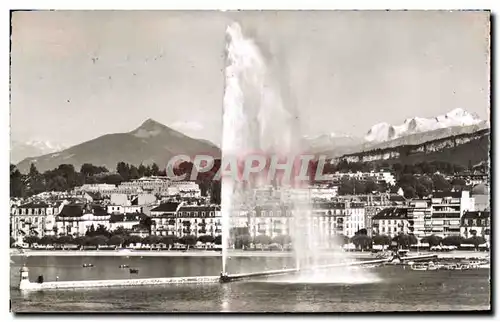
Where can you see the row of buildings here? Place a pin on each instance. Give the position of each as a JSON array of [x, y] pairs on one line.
[[314, 211]]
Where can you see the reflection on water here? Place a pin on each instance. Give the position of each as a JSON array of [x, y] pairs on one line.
[[397, 289]]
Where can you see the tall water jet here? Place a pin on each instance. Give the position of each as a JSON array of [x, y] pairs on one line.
[[256, 120]]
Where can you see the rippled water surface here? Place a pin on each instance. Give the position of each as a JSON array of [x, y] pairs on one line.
[[392, 288]]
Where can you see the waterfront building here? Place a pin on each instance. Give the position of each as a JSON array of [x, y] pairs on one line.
[[476, 223], [126, 221], [447, 210], [77, 219], [391, 222], [33, 219], [420, 217], [198, 220], [164, 218]]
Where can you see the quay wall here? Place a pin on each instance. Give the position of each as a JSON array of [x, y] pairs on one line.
[[121, 282]]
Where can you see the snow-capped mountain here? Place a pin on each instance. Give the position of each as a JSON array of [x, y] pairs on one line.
[[32, 148], [382, 132]]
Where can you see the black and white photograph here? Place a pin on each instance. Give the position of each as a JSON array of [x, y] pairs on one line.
[[250, 161]]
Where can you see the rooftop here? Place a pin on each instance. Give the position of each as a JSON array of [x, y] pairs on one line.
[[167, 207], [392, 213]]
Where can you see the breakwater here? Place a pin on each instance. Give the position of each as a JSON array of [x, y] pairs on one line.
[[30, 286]]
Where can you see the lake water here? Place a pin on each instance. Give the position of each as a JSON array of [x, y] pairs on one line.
[[388, 288]]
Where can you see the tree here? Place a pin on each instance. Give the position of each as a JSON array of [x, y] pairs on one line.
[[169, 240], [206, 239], [346, 186], [17, 187], [262, 240], [146, 222], [132, 240], [475, 240], [421, 191], [362, 231], [141, 170], [47, 240], [30, 240], [151, 240], [409, 192], [432, 240], [134, 173], [64, 240], [188, 240], [453, 241], [116, 240], [412, 239], [102, 231], [440, 183], [80, 241], [242, 241], [403, 240], [155, 170], [371, 186], [382, 240], [90, 231], [99, 240], [123, 170], [120, 231], [362, 241]]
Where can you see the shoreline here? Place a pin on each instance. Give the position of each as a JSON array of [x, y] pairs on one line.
[[211, 253]]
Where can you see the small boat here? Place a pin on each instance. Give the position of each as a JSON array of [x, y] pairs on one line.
[[418, 267], [432, 267], [88, 265], [124, 266], [134, 271]]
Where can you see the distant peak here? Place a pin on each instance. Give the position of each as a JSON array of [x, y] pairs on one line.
[[149, 128], [150, 122]]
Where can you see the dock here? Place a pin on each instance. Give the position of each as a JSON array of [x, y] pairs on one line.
[[26, 285]]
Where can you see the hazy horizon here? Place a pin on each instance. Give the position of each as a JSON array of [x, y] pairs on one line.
[[77, 75]]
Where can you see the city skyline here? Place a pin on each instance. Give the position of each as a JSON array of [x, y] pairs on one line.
[[64, 63]]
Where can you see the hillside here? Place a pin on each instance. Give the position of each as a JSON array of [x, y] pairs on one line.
[[457, 149], [150, 142]]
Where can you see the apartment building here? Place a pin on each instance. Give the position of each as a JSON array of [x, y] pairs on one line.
[[447, 210], [476, 223], [33, 219], [391, 222], [420, 217], [197, 220], [164, 219]]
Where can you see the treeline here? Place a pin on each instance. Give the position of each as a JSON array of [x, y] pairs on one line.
[[65, 177]]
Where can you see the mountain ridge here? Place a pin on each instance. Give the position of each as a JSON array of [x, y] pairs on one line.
[[384, 131], [151, 142]]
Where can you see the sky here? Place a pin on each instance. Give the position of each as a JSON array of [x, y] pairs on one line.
[[77, 75]]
